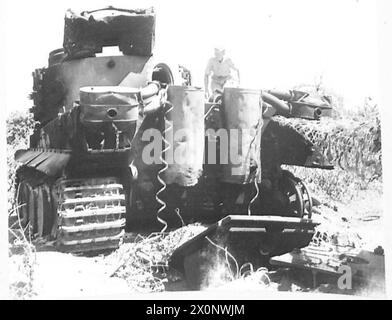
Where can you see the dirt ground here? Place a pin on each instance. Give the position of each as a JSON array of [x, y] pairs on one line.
[[54, 275]]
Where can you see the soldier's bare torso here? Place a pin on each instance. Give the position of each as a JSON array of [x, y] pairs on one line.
[[220, 69]]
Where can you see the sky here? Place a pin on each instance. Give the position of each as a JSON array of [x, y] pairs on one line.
[[274, 43]]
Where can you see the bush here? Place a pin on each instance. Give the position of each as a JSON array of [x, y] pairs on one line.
[[19, 126]]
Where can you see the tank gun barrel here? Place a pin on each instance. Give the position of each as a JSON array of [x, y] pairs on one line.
[[297, 103], [288, 95], [280, 106]]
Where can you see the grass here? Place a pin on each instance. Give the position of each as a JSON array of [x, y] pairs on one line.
[[22, 261], [143, 263]]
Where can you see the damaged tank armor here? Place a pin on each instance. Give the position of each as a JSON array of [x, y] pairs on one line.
[[83, 181]]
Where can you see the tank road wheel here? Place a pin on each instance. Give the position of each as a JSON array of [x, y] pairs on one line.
[[171, 74], [34, 209], [294, 202], [307, 199], [45, 210], [22, 203], [298, 195], [31, 206]]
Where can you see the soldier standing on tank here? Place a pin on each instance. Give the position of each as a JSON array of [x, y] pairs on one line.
[[219, 73]]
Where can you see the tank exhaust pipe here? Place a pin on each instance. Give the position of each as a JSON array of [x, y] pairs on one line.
[[150, 90]]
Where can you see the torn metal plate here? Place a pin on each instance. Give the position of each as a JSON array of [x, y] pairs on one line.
[[48, 161]]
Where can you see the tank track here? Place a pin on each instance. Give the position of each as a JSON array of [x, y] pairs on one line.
[[82, 215]]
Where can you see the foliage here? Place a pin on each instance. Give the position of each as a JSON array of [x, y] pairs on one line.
[[22, 253], [142, 261], [350, 140], [22, 261], [20, 126]]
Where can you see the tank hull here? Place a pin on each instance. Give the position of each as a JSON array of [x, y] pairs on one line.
[[121, 144]]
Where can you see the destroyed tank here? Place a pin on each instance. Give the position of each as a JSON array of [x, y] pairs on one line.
[[126, 143]]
